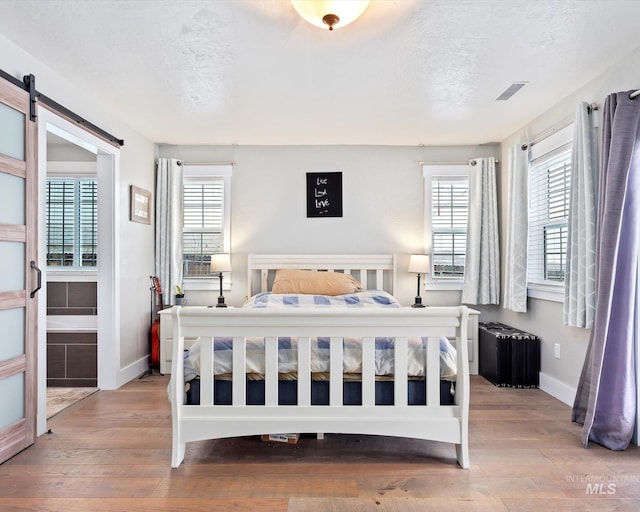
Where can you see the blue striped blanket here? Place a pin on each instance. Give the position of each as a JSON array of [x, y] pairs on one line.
[[352, 347], [366, 298]]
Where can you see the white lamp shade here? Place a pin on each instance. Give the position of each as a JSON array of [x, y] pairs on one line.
[[419, 264], [314, 10], [220, 263]]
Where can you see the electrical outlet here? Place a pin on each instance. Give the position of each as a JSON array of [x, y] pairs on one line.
[[556, 350]]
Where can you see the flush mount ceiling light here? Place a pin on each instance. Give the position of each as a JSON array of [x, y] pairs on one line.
[[330, 13]]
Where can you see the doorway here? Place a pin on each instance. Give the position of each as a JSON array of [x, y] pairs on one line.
[[74, 141], [71, 236]]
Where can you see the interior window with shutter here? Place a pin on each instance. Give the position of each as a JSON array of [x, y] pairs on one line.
[[449, 212], [203, 228], [549, 192], [88, 218], [71, 229], [446, 210]]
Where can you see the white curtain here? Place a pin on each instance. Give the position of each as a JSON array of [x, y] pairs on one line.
[[515, 279], [482, 263], [169, 227], [580, 275]]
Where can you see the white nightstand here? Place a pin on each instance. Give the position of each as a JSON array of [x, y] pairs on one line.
[[472, 334], [165, 353]]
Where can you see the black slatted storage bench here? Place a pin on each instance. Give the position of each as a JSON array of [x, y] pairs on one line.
[[509, 357]]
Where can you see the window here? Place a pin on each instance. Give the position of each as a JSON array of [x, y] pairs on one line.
[[203, 232], [71, 222], [549, 193], [449, 208], [446, 207], [206, 225]]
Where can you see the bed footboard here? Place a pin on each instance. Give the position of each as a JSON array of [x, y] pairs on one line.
[[433, 421]]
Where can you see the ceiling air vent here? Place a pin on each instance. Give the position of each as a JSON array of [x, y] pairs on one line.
[[511, 90]]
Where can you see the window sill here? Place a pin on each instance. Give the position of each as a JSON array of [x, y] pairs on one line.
[[71, 275], [546, 292], [443, 285], [206, 284]]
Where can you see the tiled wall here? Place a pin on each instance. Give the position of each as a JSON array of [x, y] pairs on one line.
[[72, 298], [72, 357]]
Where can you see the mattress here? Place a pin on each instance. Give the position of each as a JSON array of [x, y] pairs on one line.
[[351, 392]]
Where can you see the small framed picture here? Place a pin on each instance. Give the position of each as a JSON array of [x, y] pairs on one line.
[[140, 205], [324, 194]]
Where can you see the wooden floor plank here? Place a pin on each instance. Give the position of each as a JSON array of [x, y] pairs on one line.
[[383, 504], [83, 487], [142, 504], [112, 452], [586, 504]]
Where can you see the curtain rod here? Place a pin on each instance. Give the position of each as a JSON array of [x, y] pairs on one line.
[[543, 135], [592, 107], [634, 94], [230, 162], [471, 162], [29, 84]]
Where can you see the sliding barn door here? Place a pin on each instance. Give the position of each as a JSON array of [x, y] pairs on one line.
[[18, 273]]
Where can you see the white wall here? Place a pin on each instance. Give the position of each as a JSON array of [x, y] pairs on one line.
[[383, 213], [136, 168], [382, 204], [560, 376]]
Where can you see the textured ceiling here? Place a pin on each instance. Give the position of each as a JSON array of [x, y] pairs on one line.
[[245, 72]]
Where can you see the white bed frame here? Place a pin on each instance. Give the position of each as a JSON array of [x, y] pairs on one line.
[[446, 423]]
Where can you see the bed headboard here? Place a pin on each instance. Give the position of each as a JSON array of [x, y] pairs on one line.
[[374, 271]]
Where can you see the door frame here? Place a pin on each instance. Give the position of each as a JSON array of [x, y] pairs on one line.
[[108, 176]]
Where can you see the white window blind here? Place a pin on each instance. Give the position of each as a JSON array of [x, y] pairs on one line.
[[550, 180], [71, 229], [449, 213], [446, 207], [204, 221]]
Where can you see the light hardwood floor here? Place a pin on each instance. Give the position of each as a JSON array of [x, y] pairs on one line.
[[111, 452]]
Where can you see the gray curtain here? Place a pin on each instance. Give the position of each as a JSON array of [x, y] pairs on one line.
[[482, 261], [169, 227], [516, 253], [605, 402], [580, 277]]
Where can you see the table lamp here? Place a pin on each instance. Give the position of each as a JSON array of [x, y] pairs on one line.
[[419, 264], [220, 263]]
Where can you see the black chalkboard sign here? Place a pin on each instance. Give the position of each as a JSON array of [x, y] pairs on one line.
[[324, 194]]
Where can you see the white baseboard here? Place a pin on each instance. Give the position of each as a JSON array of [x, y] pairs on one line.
[[557, 389], [133, 370], [567, 394]]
